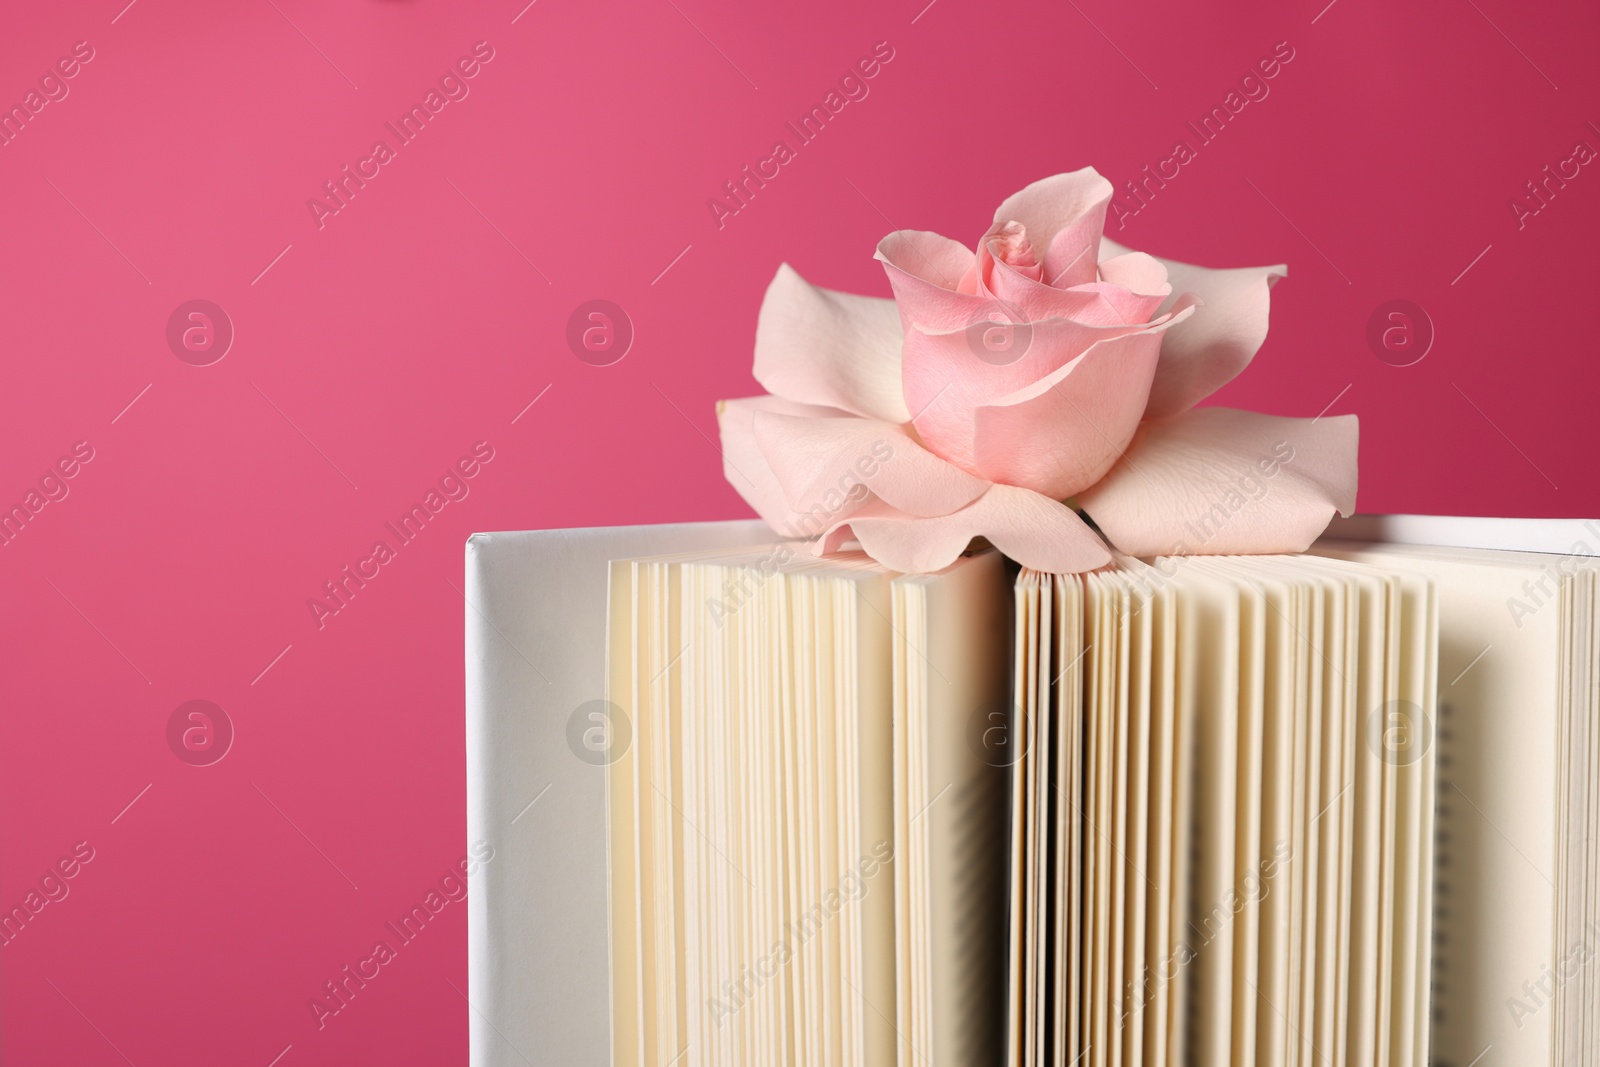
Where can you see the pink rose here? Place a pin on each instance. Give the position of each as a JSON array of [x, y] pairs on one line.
[[1051, 365]]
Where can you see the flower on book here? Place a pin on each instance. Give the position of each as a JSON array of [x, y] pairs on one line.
[[1004, 390]]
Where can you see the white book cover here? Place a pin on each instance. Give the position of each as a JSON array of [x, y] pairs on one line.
[[536, 631], [538, 985]]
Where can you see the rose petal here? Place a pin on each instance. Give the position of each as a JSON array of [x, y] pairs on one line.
[[1063, 216], [929, 257], [1061, 433], [1211, 349], [1034, 530], [933, 279], [1009, 244], [1137, 273], [949, 376], [1216, 480], [820, 461], [818, 346], [747, 470], [1019, 298]]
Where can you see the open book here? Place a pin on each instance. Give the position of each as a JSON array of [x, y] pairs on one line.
[[750, 807]]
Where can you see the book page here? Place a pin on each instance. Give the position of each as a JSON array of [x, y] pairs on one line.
[[1497, 732]]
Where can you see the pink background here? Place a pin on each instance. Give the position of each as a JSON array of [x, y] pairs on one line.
[[378, 349]]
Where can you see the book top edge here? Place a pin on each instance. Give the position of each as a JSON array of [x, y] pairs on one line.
[[1557, 536]]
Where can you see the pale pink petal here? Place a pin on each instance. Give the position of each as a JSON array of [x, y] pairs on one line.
[[933, 278], [1063, 216], [817, 346], [1034, 530], [1220, 481], [1138, 273], [1009, 244], [820, 462], [928, 257], [1209, 350], [949, 376], [1061, 433], [1019, 298], [747, 470]]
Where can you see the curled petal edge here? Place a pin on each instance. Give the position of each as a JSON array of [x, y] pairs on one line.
[[1034, 530]]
